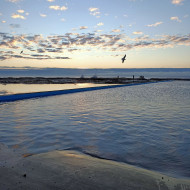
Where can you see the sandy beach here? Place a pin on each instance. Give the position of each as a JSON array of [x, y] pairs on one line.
[[72, 170]]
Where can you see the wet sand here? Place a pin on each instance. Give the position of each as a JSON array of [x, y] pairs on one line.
[[72, 170]]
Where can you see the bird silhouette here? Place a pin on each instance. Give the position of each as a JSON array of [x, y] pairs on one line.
[[123, 59], [21, 52]]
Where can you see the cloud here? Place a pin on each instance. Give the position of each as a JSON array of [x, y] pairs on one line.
[[20, 11], [51, 0], [100, 24], [94, 11], [155, 24], [116, 30], [63, 20], [15, 16], [61, 57], [83, 27], [51, 47], [14, 25], [177, 2], [3, 21], [14, 1], [43, 15], [137, 33], [175, 18], [98, 30], [56, 7]]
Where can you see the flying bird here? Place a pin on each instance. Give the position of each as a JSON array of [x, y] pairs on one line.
[[21, 52], [123, 59]]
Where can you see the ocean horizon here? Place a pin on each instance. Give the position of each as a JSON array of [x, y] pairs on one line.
[[183, 73]]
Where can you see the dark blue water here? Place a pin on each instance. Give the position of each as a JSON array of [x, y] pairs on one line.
[[146, 126], [60, 72]]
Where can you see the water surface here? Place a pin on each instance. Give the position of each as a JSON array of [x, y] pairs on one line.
[[27, 88], [146, 125], [63, 72]]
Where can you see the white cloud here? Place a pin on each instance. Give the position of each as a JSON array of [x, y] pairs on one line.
[[63, 20], [83, 27], [17, 16], [84, 42], [98, 30], [56, 7], [137, 33], [3, 21], [63, 8], [14, 1], [100, 24], [43, 15], [94, 11], [177, 2], [20, 11], [155, 24], [116, 30], [51, 0], [175, 18]]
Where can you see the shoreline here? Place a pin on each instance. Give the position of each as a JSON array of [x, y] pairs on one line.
[[67, 80], [73, 170]]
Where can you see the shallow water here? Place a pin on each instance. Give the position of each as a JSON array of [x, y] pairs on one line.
[[146, 125], [27, 88]]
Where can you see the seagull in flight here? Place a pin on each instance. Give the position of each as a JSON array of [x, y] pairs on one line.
[[123, 59], [21, 52]]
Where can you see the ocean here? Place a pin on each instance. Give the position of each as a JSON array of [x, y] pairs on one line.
[[147, 125], [61, 72]]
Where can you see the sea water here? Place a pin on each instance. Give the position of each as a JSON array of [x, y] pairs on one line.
[[146, 125], [62, 72]]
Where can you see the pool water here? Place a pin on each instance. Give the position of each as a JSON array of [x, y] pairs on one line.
[[146, 125]]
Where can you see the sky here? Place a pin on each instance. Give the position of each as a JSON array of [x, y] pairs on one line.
[[95, 33]]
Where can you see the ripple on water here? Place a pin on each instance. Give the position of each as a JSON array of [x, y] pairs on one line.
[[146, 125]]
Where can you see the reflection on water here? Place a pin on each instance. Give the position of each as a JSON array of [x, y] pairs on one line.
[[26, 88], [146, 125]]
